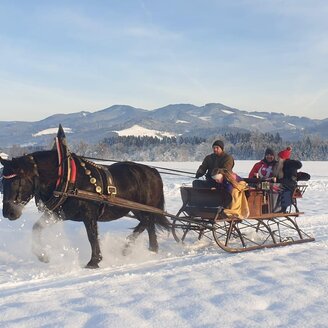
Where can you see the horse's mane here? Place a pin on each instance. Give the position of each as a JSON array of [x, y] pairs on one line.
[[47, 163], [22, 165]]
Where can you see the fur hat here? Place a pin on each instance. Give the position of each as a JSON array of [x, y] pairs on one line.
[[269, 151], [290, 168], [218, 143], [285, 154]]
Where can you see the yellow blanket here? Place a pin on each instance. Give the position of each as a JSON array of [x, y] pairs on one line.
[[239, 204]]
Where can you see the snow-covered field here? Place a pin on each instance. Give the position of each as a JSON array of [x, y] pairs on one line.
[[194, 286]]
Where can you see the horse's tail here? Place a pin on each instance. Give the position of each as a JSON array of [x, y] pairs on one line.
[[160, 220]]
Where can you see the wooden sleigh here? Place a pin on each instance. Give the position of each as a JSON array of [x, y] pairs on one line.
[[202, 216]]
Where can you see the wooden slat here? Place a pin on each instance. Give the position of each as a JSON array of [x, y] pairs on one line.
[[274, 215], [113, 200], [267, 216]]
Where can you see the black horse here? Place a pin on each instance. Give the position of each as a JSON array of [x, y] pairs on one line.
[[36, 175]]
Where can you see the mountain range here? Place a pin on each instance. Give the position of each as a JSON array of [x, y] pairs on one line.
[[171, 120]]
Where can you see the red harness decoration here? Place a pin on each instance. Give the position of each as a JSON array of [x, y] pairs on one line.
[[60, 159], [66, 172], [72, 178], [72, 171]]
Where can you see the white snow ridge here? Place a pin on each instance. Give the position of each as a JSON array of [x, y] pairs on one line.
[[139, 131], [227, 111], [255, 116], [204, 118], [293, 126], [51, 131]]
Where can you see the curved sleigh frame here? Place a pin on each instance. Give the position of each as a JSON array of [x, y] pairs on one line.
[[202, 216]]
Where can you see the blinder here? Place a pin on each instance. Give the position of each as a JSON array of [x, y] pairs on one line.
[[21, 182]]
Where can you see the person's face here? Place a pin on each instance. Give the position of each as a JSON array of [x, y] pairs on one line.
[[269, 157], [217, 150], [218, 178]]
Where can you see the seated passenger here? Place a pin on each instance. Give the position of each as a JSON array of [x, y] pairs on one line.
[[237, 187], [264, 168], [287, 174], [289, 182], [286, 169], [282, 157], [218, 159]]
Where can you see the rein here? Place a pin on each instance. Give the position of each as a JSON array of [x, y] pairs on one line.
[[155, 167]]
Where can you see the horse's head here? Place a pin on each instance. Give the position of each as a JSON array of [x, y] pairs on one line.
[[18, 184]]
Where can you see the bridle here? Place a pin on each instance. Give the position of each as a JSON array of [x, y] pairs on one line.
[[18, 199]]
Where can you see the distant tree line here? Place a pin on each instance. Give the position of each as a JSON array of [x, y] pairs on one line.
[[249, 145], [152, 141]]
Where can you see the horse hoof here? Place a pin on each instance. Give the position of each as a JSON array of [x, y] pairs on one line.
[[126, 251], [153, 250], [43, 258], [92, 266]]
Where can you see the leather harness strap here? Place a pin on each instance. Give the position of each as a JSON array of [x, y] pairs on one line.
[[109, 187], [66, 175], [103, 182]]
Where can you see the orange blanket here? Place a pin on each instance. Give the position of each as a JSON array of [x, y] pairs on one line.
[[239, 205]]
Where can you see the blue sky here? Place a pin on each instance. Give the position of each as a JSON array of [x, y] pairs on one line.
[[68, 56]]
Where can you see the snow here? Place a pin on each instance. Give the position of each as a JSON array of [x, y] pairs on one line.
[[227, 111], [180, 121], [28, 144], [4, 155], [51, 131], [292, 125], [204, 118], [196, 285], [137, 130], [255, 116]]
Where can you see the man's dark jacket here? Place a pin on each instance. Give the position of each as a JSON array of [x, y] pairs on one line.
[[213, 161]]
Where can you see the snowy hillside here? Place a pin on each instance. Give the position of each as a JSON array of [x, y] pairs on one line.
[[182, 286], [171, 120], [139, 131], [51, 131]]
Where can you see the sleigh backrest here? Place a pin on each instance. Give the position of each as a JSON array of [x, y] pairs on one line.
[[201, 202]]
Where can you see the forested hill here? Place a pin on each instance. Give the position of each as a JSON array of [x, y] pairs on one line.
[[175, 120], [241, 145]]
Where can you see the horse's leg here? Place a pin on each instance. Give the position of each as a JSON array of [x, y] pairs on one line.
[[153, 244], [146, 222], [92, 231], [46, 220], [132, 238]]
